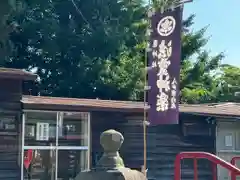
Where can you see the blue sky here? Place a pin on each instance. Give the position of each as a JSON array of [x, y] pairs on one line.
[[223, 18]]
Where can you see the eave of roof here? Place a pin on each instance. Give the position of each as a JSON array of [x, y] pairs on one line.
[[19, 74], [74, 104]]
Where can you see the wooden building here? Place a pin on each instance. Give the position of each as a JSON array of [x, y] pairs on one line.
[[228, 136], [55, 138]]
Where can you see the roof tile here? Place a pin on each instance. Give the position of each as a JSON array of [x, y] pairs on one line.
[[16, 74], [222, 109]]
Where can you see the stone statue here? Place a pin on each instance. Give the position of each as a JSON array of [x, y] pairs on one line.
[[111, 166]]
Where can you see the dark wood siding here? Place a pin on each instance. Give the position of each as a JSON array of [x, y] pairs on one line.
[[101, 121], [163, 143], [131, 129], [168, 142], [10, 108], [132, 149]]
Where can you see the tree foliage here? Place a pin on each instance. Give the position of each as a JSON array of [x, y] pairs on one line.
[[95, 49], [228, 84]]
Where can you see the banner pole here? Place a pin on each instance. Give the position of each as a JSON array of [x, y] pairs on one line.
[[146, 88], [145, 117], [147, 85]]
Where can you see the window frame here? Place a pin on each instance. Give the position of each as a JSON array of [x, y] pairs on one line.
[[56, 147]]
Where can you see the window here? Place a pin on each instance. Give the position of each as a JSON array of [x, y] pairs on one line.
[[225, 140], [42, 132], [55, 145], [228, 140], [30, 131]]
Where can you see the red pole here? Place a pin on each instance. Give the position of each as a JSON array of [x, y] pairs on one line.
[[177, 167], [195, 169], [214, 171], [233, 174]]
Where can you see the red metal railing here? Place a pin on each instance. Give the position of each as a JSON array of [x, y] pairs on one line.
[[203, 155], [233, 162]]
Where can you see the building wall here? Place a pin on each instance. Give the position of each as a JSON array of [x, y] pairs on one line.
[[10, 108], [164, 142], [193, 133], [101, 121], [227, 143]]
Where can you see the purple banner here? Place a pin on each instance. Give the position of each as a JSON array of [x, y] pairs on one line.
[[164, 59]]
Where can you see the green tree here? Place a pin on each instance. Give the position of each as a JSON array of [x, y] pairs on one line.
[[197, 82], [70, 48], [228, 84], [7, 9], [197, 66], [96, 49]]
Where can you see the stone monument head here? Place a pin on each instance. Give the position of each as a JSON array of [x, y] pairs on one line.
[[111, 141], [111, 166]]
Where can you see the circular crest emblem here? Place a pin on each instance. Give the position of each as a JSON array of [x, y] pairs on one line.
[[166, 26]]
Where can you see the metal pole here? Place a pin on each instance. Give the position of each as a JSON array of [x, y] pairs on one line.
[[22, 152], [146, 87]]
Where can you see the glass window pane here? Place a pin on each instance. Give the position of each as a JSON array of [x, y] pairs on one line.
[[40, 128], [70, 163], [73, 129], [39, 164]]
